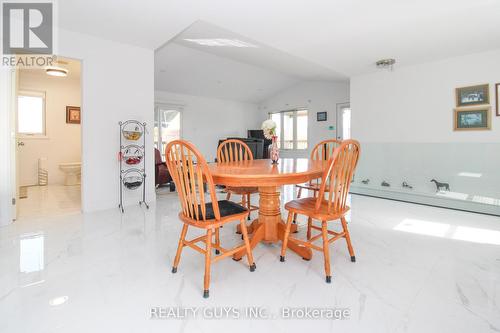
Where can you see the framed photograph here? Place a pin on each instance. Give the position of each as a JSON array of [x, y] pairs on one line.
[[474, 95], [472, 118], [72, 115], [321, 116], [497, 93]]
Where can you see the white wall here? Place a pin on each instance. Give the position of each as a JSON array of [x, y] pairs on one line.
[[206, 120], [316, 96], [63, 141], [404, 120], [117, 84], [415, 104]]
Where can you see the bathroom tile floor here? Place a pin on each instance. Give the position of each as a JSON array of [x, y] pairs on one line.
[[419, 269], [51, 200]]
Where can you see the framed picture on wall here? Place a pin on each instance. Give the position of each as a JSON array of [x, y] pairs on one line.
[[497, 93], [472, 118], [321, 116], [474, 95], [72, 115]]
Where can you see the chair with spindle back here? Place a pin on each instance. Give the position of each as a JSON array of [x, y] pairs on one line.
[[190, 173], [335, 184], [236, 150], [322, 151]]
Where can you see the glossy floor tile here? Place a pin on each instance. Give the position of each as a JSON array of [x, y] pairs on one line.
[[51, 200], [418, 269]]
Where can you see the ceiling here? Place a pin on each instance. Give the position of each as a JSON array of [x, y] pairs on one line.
[[258, 54], [249, 73], [345, 36], [189, 71]]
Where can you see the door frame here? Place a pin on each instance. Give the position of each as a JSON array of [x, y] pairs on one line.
[[13, 127]]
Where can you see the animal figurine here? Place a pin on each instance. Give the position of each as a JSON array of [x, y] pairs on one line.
[[366, 181], [441, 186], [406, 185], [386, 184]]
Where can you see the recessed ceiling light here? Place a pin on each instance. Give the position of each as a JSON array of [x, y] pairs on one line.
[[220, 42], [56, 71]]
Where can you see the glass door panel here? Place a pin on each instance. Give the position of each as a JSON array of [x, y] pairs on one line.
[[343, 121]]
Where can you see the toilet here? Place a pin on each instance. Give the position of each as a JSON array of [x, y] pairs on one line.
[[73, 172]]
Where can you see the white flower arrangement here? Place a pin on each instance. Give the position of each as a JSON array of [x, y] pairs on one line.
[[269, 128]]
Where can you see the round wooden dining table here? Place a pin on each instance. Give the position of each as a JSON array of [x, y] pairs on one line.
[[269, 227]]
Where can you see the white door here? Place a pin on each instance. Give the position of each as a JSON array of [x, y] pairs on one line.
[[8, 194], [343, 121], [27, 163], [14, 157]]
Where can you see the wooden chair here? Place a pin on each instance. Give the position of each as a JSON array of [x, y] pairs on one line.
[[322, 151], [335, 183], [190, 173], [236, 150]]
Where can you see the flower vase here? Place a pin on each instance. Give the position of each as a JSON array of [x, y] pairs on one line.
[[274, 152]]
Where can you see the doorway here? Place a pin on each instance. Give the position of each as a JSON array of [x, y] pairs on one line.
[[48, 138], [343, 121]]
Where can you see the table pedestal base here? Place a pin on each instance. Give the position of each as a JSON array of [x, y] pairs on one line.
[[269, 227]]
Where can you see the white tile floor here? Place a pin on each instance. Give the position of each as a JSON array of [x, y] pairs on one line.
[[418, 269], [51, 200]]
